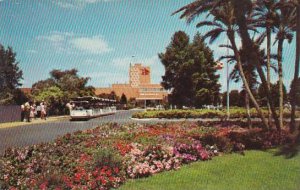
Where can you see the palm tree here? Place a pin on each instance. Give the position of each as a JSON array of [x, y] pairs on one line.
[[224, 21], [283, 32], [240, 10], [250, 75], [265, 10], [297, 60], [250, 71]]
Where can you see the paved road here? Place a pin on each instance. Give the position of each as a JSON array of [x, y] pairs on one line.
[[45, 132]]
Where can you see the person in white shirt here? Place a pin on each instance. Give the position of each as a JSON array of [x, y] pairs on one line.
[[43, 111]]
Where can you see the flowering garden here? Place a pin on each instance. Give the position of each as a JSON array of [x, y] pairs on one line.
[[107, 156]]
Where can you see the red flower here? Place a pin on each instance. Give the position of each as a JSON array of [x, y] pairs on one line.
[[77, 177], [116, 170], [44, 185], [108, 172], [103, 182]]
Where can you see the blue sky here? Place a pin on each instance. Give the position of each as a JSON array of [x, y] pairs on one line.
[[98, 37]]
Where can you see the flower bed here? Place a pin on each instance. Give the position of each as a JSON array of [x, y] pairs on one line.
[[106, 156], [203, 113]]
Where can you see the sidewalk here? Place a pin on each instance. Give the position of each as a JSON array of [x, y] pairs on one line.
[[33, 121]]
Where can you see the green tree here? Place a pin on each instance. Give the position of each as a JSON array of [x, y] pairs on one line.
[[60, 88], [283, 32], [297, 91], [293, 93], [233, 16], [10, 76], [189, 71], [123, 99], [275, 94], [113, 96], [204, 77], [265, 10], [234, 96]]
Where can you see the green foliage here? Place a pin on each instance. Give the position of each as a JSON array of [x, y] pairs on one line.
[[112, 95], [60, 88], [50, 94], [203, 113], [274, 93], [189, 71], [10, 76], [297, 91], [107, 157], [123, 99]]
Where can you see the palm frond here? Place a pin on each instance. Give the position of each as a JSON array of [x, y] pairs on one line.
[[209, 23], [213, 34]]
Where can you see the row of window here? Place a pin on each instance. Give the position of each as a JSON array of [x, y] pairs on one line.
[[151, 89]]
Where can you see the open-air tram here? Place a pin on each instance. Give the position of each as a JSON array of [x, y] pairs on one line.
[[88, 107]]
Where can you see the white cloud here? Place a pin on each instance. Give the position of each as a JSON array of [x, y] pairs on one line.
[[77, 3], [54, 38], [71, 43], [94, 45]]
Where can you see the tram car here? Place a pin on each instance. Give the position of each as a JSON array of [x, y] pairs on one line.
[[88, 107]]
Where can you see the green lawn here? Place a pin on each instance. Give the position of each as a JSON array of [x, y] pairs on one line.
[[256, 170]]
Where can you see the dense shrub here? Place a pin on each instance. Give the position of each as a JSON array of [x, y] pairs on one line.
[[202, 113]]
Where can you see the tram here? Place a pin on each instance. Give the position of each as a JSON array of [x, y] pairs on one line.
[[88, 107]]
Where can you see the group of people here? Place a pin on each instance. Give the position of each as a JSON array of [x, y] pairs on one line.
[[31, 110]]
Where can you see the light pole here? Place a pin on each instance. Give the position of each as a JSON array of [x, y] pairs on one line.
[[227, 101], [227, 78]]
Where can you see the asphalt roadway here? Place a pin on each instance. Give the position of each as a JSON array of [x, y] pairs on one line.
[[45, 132]]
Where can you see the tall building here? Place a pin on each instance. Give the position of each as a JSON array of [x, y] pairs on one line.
[[139, 87], [139, 75]]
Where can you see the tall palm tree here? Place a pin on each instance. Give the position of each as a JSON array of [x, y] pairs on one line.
[[283, 32], [250, 71], [250, 75], [224, 21], [240, 10], [297, 62], [265, 10]]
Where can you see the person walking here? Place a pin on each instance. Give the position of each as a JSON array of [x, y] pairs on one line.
[[27, 111], [43, 111], [38, 110], [22, 112], [35, 110], [31, 114]]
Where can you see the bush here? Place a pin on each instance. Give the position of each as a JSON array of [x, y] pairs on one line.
[[153, 159], [108, 157], [203, 113], [191, 152]]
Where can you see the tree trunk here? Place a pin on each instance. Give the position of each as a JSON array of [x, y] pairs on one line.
[[279, 54], [245, 82], [249, 46], [268, 30], [296, 74], [247, 103]]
